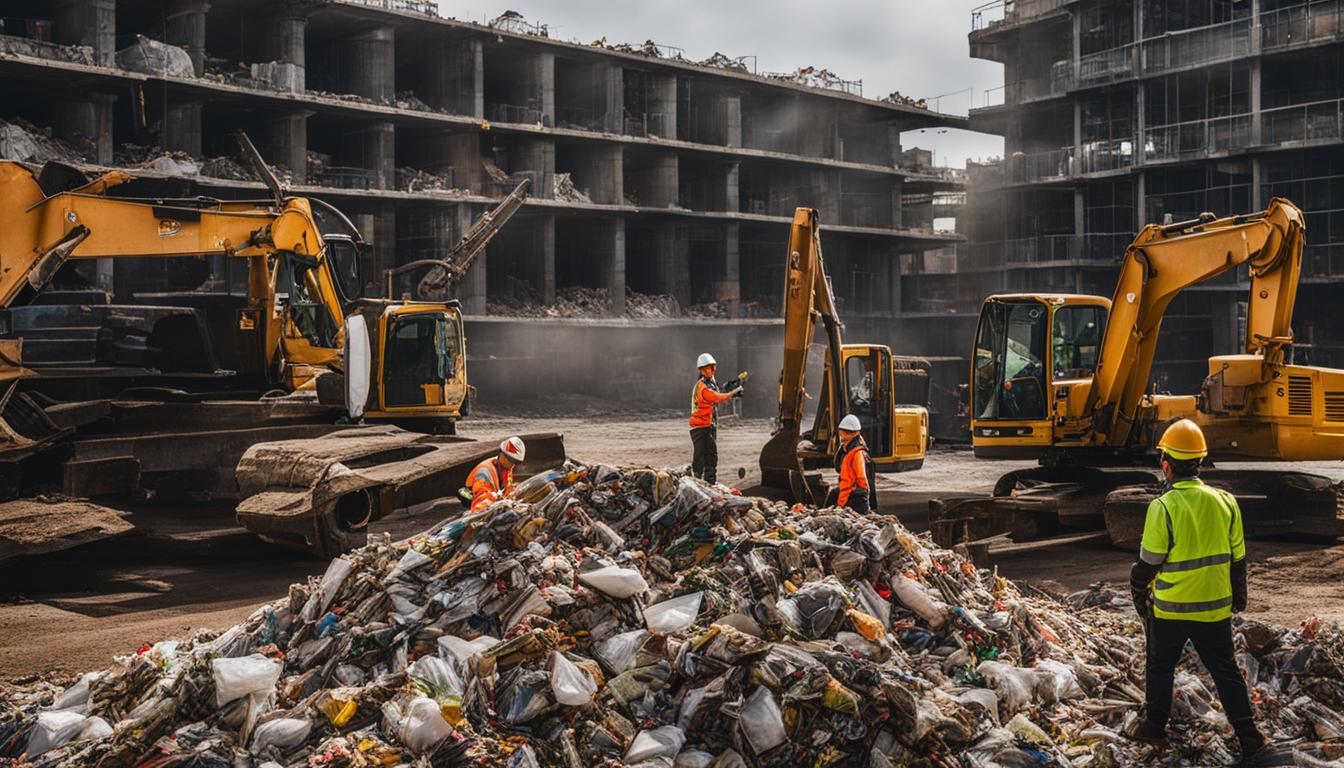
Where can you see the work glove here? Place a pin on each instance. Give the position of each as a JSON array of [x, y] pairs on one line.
[[738, 392], [1143, 602]]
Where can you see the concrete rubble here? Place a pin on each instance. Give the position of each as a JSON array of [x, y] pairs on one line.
[[581, 302], [25, 142], [152, 57], [640, 617]]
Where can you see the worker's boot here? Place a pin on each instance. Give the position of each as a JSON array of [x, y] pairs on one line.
[[1148, 732], [1253, 742]]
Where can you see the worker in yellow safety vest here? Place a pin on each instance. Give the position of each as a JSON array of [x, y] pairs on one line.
[[492, 479], [1188, 581]]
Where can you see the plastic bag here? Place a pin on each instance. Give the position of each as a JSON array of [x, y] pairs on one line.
[[1056, 681], [282, 733], [409, 562], [459, 650], [572, 686], [663, 741], [94, 728], [761, 721], [76, 697], [438, 675], [420, 726], [673, 615], [1014, 685], [813, 609], [914, 596], [337, 572], [236, 678], [618, 652], [692, 758], [1026, 730], [615, 581], [54, 729]]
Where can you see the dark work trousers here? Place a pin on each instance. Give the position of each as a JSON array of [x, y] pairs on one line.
[[705, 453], [1213, 642]]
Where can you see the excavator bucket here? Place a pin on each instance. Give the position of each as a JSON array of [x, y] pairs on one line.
[[321, 494]]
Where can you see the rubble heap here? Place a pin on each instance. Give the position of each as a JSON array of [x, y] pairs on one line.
[[645, 618], [28, 143], [581, 302]]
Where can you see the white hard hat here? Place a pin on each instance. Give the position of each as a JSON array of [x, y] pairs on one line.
[[514, 449], [851, 423], [704, 359]]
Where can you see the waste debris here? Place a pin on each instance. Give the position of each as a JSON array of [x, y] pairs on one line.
[[415, 180], [614, 617], [43, 49], [818, 77], [581, 302], [564, 189], [153, 57], [899, 99], [22, 141]]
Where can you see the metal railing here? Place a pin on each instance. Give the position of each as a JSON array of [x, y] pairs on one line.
[[1110, 155], [514, 113], [1316, 121], [1039, 166], [1012, 12], [1106, 66], [570, 117], [426, 7], [1104, 247], [1198, 138], [1303, 24], [651, 124], [347, 177], [1199, 46]]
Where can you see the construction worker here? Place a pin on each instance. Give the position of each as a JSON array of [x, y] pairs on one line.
[[492, 479], [856, 489], [705, 397], [1188, 581]]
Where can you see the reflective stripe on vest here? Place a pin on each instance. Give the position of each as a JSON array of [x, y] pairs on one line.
[[1194, 533]]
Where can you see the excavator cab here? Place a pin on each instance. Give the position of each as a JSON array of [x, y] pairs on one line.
[[883, 396], [1033, 355]]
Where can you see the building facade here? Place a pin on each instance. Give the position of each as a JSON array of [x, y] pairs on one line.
[[1120, 113], [649, 173]]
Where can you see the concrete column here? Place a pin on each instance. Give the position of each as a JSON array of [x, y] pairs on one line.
[[87, 22], [732, 115], [671, 254], [1076, 52], [729, 291], [289, 144], [185, 28], [182, 127], [546, 251], [612, 99], [1141, 202], [1257, 180], [732, 193], [894, 143], [660, 186], [898, 205], [1255, 101], [379, 150], [472, 291], [463, 152], [543, 69], [1077, 137], [539, 156], [613, 265], [88, 119], [662, 102], [373, 64], [1079, 212], [607, 175], [1140, 122], [456, 78]]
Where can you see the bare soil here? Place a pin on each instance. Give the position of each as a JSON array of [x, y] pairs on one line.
[[71, 611]]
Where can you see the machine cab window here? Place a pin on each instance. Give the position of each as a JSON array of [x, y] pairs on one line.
[[1010, 356], [422, 351], [1075, 341]]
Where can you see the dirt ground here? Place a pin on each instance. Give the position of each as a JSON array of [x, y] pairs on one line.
[[68, 612]]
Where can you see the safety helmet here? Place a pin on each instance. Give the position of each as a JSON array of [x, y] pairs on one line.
[[514, 449], [851, 423], [1184, 441], [704, 359]]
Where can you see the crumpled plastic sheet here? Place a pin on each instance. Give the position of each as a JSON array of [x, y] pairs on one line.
[[641, 617]]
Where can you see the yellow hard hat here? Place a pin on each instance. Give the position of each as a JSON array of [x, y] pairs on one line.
[[1184, 440]]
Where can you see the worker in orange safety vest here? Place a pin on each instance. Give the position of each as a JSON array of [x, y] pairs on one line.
[[492, 479], [705, 395], [855, 489]]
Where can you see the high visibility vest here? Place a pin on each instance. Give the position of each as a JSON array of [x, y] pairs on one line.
[[704, 396], [853, 468], [486, 481], [1194, 533]]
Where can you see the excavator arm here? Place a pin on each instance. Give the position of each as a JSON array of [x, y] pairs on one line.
[[1164, 260], [807, 298]]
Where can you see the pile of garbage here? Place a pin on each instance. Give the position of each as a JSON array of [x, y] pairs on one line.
[[642, 617], [724, 61], [27, 143]]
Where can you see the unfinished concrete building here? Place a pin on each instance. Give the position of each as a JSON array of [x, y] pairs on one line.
[[1120, 113], [650, 174]]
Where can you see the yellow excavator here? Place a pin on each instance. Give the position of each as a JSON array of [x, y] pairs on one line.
[[1065, 379], [304, 310], [886, 392]]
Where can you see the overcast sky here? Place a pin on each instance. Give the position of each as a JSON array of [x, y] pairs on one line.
[[917, 47]]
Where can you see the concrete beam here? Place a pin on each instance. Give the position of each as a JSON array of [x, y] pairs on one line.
[[184, 26]]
